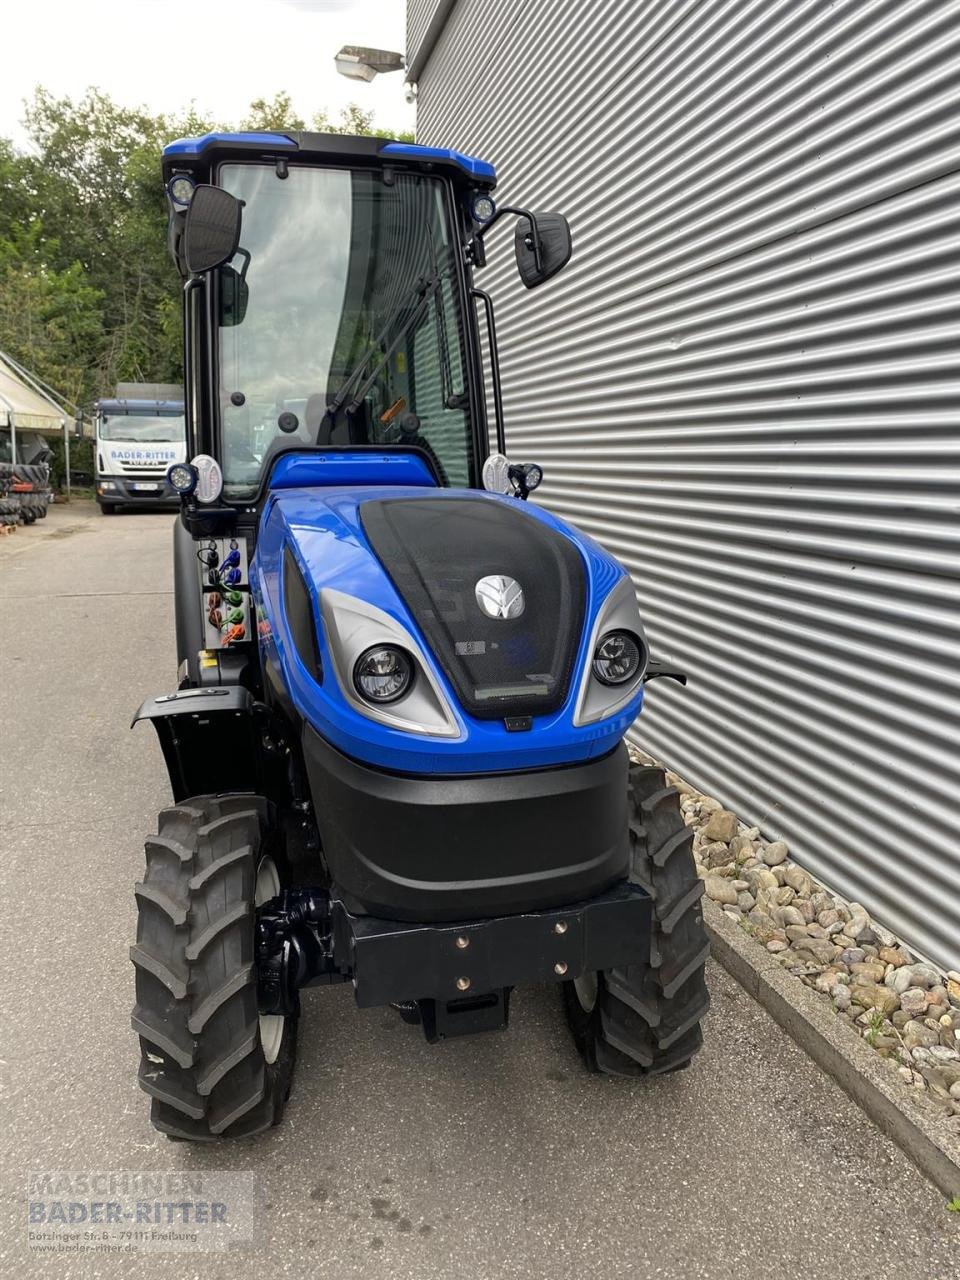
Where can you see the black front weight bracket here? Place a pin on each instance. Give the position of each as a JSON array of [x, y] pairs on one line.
[[458, 975]]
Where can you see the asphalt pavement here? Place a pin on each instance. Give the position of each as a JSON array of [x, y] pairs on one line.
[[489, 1157]]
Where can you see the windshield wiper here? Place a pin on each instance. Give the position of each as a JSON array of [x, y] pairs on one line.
[[424, 290], [421, 292]]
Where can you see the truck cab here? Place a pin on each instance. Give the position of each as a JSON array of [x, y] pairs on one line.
[[137, 440]]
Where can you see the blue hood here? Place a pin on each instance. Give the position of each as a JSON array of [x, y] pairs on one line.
[[323, 531]]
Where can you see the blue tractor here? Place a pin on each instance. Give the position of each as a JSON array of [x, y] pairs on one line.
[[396, 746]]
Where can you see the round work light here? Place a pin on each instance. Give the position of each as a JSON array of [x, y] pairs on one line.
[[482, 208], [180, 189], [182, 477]]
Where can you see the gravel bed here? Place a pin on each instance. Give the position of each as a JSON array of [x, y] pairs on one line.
[[906, 1009]]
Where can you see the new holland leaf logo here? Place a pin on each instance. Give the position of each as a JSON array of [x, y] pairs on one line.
[[499, 596]]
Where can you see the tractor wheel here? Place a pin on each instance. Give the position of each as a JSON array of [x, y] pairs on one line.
[[213, 1065], [644, 1019], [107, 509]]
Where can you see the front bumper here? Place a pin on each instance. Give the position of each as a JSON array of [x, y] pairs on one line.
[[460, 848], [393, 962], [126, 493], [458, 974]]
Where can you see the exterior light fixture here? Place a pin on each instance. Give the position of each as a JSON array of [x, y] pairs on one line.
[[183, 478], [180, 190], [359, 63], [482, 209]]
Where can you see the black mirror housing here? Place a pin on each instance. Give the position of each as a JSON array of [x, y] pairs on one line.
[[234, 296], [553, 239], [211, 230]]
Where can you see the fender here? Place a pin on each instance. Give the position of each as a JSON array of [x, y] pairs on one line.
[[212, 740]]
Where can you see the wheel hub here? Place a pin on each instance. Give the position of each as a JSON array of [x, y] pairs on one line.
[[271, 1024]]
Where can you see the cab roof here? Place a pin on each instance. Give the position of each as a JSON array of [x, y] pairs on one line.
[[202, 152]]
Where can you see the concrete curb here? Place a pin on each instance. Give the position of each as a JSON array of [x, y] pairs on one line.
[[858, 1070]]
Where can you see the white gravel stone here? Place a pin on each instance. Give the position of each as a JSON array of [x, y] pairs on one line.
[[775, 853], [913, 1001], [756, 882], [720, 890]]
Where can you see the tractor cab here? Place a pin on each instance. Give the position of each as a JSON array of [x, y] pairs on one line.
[[330, 302]]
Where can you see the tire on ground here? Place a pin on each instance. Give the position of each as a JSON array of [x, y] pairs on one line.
[[202, 1060], [644, 1019]]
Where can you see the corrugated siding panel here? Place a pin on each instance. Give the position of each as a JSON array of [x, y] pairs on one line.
[[746, 385], [419, 13]]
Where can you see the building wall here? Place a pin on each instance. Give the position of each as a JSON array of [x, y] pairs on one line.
[[746, 384]]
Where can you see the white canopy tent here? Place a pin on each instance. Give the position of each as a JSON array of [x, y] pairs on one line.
[[25, 404]]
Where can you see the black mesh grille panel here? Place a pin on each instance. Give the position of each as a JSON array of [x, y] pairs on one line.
[[437, 550], [299, 612]]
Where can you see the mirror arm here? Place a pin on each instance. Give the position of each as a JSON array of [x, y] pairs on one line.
[[494, 366], [519, 213], [247, 259]]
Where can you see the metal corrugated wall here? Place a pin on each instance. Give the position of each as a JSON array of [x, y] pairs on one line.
[[746, 385], [419, 14]]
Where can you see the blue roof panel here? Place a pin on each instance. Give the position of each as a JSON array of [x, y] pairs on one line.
[[483, 170], [190, 148], [196, 146]]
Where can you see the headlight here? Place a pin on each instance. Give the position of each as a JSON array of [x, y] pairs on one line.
[[383, 674], [617, 658], [182, 477], [107, 484]]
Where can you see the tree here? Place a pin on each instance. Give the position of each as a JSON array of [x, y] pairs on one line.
[[276, 115], [88, 293]]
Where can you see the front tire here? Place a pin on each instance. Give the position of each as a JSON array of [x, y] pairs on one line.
[[644, 1019], [213, 1067]]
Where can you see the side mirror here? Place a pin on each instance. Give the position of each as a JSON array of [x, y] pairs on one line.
[[234, 293], [211, 230], [551, 236]]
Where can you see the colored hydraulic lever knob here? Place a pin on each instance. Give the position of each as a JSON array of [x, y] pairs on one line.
[[234, 634], [231, 559], [237, 615], [231, 577], [215, 618]]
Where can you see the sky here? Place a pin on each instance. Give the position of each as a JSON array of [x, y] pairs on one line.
[[221, 54]]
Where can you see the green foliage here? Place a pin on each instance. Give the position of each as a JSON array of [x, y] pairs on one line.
[[88, 293], [81, 458], [875, 1027], [953, 1206]]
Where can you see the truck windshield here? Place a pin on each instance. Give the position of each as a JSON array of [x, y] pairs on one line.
[[141, 429], [340, 319]]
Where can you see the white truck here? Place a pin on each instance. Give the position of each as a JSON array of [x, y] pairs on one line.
[[139, 435]]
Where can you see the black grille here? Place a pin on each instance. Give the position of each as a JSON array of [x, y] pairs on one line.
[[436, 550], [299, 611]]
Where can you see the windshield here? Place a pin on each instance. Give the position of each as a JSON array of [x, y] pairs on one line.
[[340, 319], [142, 428]]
